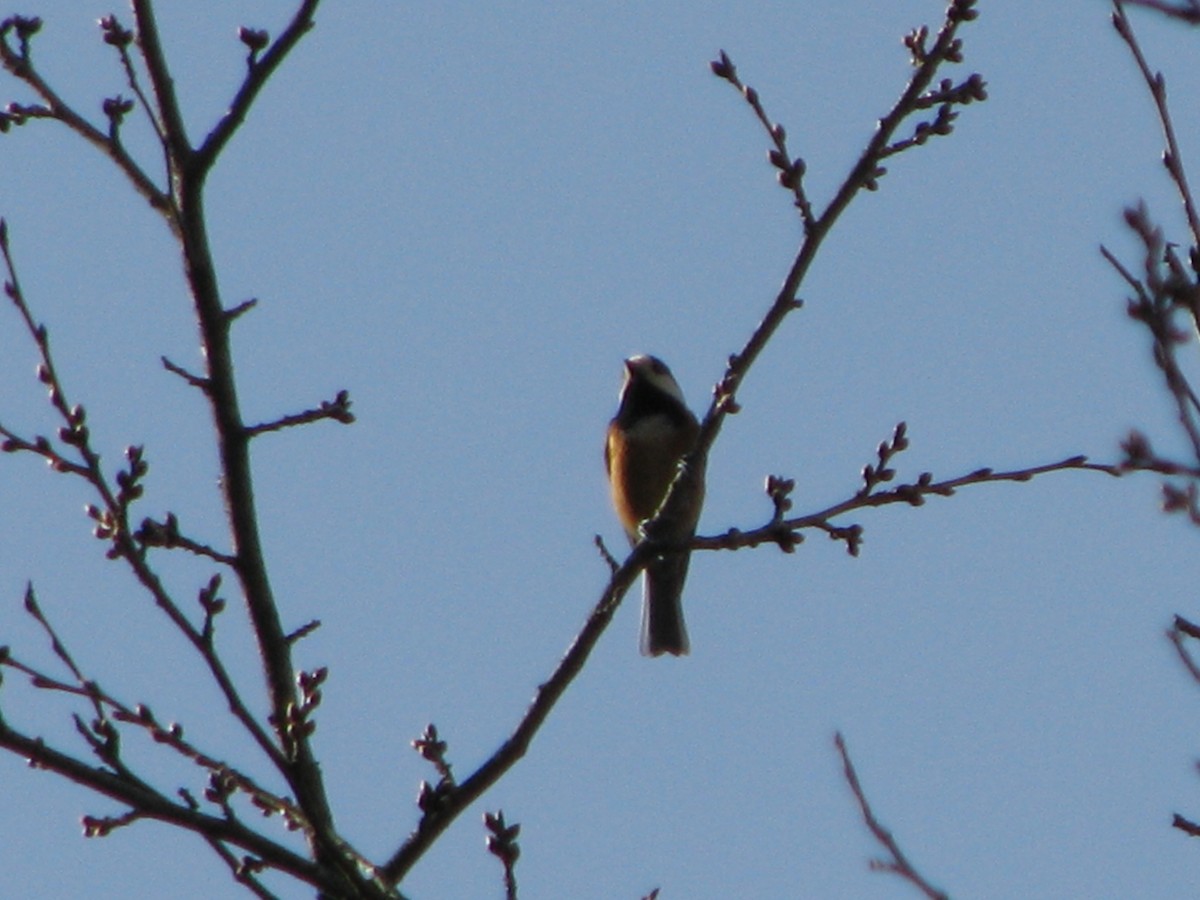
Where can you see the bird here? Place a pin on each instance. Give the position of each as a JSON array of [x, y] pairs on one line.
[[646, 441]]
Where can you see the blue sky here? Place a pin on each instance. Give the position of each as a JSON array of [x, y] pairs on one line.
[[467, 215]]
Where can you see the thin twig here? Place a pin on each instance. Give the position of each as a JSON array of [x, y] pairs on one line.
[[261, 68], [1182, 629], [151, 804], [20, 66], [791, 170], [1158, 90], [337, 409], [1185, 10], [912, 494], [899, 863], [194, 380], [166, 534], [113, 517]]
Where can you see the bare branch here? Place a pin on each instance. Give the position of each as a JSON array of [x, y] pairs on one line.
[[166, 534], [293, 754], [241, 309], [303, 631], [111, 515], [116, 35], [1158, 90], [448, 805], [608, 558], [1185, 10], [260, 68], [502, 844], [864, 175], [18, 63], [194, 380], [171, 735], [153, 805], [781, 530], [791, 170], [337, 409], [1137, 286], [898, 864], [173, 131], [1180, 630]]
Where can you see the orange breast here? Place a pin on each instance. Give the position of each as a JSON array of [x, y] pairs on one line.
[[641, 466]]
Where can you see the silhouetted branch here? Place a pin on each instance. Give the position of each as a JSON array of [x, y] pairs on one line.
[[502, 844], [447, 806], [898, 864], [166, 534], [194, 380], [1158, 91], [337, 409], [18, 61], [112, 513], [784, 530], [182, 203], [116, 780], [1181, 629], [151, 804], [1184, 10], [791, 170], [864, 175], [260, 67], [104, 738], [1166, 287], [1187, 826]]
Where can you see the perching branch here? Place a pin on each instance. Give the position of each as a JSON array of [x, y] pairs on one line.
[[864, 175]]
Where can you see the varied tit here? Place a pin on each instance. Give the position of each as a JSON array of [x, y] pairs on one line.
[[652, 431]]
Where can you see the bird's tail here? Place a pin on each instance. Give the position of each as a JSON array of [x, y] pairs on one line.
[[663, 630]]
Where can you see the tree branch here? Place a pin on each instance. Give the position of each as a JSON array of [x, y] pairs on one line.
[[190, 169], [259, 70], [112, 515], [19, 64], [1185, 10], [899, 863], [337, 409], [1158, 90], [445, 806], [864, 175], [150, 804], [784, 530]]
